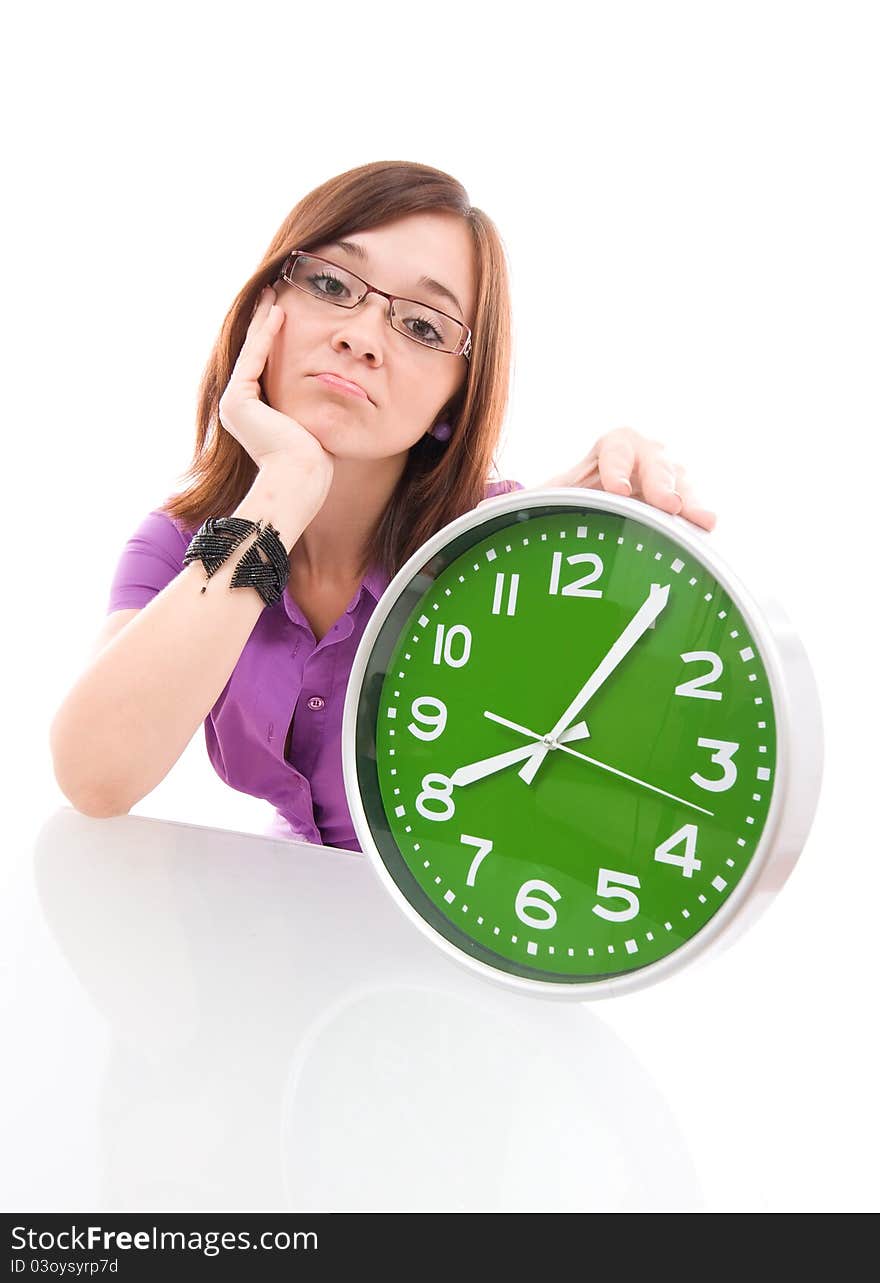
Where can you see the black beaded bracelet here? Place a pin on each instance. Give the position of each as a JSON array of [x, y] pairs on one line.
[[268, 577], [215, 540], [217, 537]]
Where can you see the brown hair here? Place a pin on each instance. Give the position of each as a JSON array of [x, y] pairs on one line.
[[440, 481]]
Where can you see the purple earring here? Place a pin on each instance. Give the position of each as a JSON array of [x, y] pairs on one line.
[[442, 431]]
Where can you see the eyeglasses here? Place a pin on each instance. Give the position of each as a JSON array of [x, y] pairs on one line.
[[424, 325]]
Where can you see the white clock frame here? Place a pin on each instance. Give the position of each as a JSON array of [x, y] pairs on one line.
[[799, 744]]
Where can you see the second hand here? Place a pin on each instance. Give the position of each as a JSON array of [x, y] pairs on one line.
[[602, 765]]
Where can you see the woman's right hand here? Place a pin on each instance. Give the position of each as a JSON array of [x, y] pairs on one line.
[[269, 436]]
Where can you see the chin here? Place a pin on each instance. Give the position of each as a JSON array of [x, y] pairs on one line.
[[326, 421]]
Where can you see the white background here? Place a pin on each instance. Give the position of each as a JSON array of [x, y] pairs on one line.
[[708, 172]]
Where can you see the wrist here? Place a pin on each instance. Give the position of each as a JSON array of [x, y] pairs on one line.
[[285, 494], [289, 475]]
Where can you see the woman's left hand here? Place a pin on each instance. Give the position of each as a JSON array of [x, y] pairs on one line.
[[624, 462]]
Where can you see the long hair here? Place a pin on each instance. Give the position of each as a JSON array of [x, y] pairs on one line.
[[440, 481]]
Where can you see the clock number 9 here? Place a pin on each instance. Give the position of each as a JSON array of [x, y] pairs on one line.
[[430, 712], [607, 888]]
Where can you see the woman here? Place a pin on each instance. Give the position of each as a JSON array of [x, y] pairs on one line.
[[357, 419]]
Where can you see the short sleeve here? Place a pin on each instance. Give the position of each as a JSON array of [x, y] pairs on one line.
[[494, 488], [150, 559]]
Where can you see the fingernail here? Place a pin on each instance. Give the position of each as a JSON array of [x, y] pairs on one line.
[[624, 482]]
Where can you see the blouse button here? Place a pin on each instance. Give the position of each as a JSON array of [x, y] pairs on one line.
[[316, 702]]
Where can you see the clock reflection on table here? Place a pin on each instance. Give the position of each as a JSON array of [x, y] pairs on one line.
[[280, 1038]]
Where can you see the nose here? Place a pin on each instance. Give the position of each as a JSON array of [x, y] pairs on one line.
[[362, 327]]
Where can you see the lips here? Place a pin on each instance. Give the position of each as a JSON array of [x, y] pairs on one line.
[[345, 385]]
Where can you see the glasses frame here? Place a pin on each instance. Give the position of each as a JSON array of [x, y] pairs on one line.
[[464, 346]]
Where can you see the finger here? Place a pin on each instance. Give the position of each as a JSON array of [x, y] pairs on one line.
[[265, 299], [616, 459], [691, 509], [658, 476], [258, 340]]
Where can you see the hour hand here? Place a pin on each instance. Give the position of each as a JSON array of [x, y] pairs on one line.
[[489, 765]]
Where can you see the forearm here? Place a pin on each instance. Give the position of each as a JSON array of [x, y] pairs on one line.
[[133, 711]]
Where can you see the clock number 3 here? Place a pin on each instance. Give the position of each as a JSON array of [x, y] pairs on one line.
[[723, 757]]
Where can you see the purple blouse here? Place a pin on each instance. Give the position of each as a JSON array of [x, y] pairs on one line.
[[282, 673]]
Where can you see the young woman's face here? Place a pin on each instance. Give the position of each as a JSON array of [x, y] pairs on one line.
[[408, 384]]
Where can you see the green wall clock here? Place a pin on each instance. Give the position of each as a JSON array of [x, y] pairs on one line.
[[576, 748]]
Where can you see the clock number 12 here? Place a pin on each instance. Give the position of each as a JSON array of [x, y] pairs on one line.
[[577, 588]]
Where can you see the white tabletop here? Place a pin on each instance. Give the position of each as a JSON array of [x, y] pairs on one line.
[[201, 1019]]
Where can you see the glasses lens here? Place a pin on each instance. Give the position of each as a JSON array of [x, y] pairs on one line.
[[324, 280], [334, 284], [422, 323]]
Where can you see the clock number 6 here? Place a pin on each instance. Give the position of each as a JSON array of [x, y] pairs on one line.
[[528, 904]]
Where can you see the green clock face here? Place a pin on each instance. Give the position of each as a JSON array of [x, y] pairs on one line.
[[566, 746]]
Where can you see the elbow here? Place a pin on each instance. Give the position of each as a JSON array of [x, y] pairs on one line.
[[91, 802], [97, 808], [84, 796]]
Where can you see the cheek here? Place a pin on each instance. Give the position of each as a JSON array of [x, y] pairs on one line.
[[411, 405], [427, 393]]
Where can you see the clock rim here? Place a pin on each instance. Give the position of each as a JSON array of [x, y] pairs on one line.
[[796, 711]]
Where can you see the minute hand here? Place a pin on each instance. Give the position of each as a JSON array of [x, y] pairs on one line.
[[643, 618]]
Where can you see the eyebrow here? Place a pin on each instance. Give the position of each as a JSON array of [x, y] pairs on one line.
[[428, 281]]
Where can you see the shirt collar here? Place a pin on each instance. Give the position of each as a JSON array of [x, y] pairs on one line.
[[376, 581]]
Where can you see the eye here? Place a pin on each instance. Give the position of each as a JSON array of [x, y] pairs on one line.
[[426, 326], [329, 277]]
